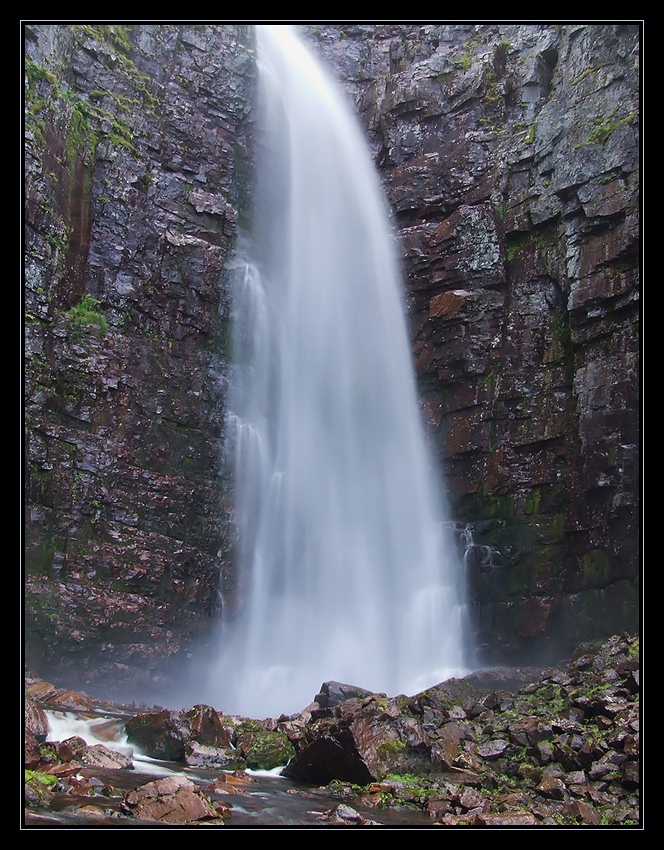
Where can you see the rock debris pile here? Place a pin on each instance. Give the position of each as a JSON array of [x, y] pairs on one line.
[[560, 749]]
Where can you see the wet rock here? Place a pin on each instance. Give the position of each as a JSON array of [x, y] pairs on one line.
[[506, 819], [552, 787], [331, 755], [75, 749], [36, 721], [583, 812], [264, 749], [493, 749], [207, 727], [237, 782], [73, 700], [161, 734], [343, 814], [447, 745], [212, 758], [333, 693], [517, 756], [31, 752], [630, 774], [173, 800], [125, 520], [536, 737], [40, 690]]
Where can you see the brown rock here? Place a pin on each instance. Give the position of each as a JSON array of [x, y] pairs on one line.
[[471, 798], [42, 691], [36, 720], [446, 748], [207, 727], [231, 783], [583, 812], [31, 754], [630, 774], [552, 787], [507, 819], [448, 304], [160, 734], [73, 699], [173, 800]]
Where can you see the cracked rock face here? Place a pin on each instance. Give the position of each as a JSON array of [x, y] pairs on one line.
[[135, 140], [510, 158]]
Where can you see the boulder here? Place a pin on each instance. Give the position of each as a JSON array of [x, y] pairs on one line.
[[160, 734], [264, 749], [363, 742], [36, 721], [173, 800], [334, 693]]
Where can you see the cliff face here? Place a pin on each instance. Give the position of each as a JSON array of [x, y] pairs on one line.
[[510, 157], [135, 172]]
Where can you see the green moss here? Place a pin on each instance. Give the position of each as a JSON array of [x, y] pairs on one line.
[[39, 554], [117, 35], [514, 245], [390, 749], [529, 137], [533, 501], [264, 750], [34, 74], [605, 127], [86, 313], [596, 568], [46, 779], [592, 70]]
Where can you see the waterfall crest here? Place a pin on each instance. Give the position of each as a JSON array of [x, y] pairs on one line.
[[346, 569]]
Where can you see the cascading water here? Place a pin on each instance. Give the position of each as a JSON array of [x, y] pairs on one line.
[[346, 570]]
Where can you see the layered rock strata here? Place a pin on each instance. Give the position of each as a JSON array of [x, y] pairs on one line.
[[135, 173]]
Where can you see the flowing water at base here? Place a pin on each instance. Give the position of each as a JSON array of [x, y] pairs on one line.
[[269, 801]]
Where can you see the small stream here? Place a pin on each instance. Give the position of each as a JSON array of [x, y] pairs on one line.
[[269, 801]]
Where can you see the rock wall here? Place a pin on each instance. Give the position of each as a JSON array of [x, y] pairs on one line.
[[136, 169], [510, 156]]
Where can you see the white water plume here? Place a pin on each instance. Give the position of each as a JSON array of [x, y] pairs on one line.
[[347, 569]]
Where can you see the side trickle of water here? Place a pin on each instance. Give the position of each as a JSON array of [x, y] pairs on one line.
[[347, 569]]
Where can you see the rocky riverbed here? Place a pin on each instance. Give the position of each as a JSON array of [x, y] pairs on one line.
[[521, 747]]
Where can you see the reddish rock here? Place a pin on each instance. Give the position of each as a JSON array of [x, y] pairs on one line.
[[73, 699], [31, 753], [583, 812], [506, 819], [207, 727], [448, 304], [40, 690], [160, 734], [174, 800], [36, 720], [75, 749], [552, 787]]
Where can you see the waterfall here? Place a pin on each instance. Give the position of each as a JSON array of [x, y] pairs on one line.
[[346, 570]]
